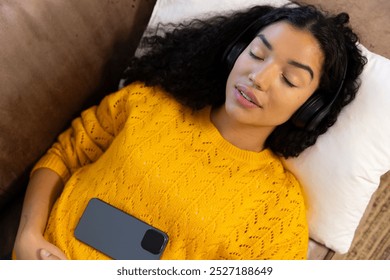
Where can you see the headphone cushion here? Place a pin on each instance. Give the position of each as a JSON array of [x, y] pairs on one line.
[[308, 111], [233, 53]]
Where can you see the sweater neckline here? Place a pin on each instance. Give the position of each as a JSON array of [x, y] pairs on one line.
[[208, 128]]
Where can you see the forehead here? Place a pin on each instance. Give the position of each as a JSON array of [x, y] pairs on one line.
[[291, 43]]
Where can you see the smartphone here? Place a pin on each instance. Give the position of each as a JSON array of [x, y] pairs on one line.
[[118, 234]]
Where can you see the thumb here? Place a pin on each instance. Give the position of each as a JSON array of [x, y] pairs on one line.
[[46, 255]]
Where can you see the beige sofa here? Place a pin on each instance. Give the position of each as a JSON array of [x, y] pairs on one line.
[[61, 56]]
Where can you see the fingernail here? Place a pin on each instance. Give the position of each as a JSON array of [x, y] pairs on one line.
[[45, 253]]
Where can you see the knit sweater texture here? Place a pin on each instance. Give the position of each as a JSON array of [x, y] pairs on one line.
[[146, 154]]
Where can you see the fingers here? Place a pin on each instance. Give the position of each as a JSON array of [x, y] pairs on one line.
[[46, 255]]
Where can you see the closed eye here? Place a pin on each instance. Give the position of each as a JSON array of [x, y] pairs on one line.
[[255, 56], [290, 84], [287, 81]]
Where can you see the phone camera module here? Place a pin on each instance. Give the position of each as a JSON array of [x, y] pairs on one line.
[[153, 241]]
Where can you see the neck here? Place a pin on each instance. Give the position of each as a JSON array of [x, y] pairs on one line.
[[245, 137]]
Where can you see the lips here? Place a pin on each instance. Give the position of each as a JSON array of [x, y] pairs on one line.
[[246, 93]]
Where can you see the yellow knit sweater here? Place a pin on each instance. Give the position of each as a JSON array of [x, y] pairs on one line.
[[146, 154]]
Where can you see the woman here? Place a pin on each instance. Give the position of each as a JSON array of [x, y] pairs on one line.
[[192, 144]]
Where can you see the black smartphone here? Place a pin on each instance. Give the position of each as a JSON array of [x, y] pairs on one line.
[[118, 234]]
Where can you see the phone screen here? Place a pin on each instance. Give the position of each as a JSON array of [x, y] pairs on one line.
[[118, 234]]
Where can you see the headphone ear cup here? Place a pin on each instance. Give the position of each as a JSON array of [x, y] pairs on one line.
[[309, 115], [233, 53], [239, 44]]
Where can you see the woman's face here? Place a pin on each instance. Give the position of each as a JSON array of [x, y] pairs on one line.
[[273, 76]]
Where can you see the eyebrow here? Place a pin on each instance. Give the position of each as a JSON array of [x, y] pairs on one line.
[[265, 42], [302, 66], [291, 62]]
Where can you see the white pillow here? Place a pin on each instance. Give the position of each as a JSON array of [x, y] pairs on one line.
[[342, 170], [176, 11]]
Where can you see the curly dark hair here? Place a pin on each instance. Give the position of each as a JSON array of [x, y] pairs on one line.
[[186, 61]]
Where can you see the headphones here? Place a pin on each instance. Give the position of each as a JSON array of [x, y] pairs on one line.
[[313, 111]]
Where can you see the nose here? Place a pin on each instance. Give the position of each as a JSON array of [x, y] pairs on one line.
[[263, 76]]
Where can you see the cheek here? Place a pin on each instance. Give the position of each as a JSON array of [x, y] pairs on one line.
[[239, 72], [290, 102], [242, 64]]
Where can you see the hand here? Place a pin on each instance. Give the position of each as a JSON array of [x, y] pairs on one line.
[[30, 246], [46, 255]]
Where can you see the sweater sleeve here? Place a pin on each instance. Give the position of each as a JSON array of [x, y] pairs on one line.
[[278, 229], [290, 235], [292, 244], [89, 135]]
